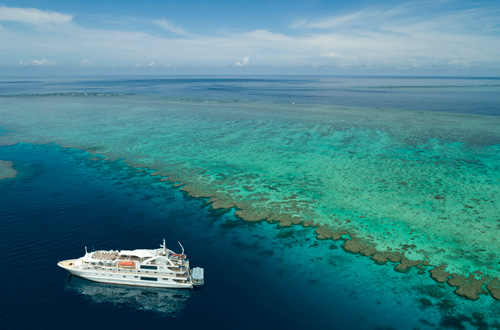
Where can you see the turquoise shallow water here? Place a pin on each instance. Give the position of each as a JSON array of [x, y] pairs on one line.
[[307, 150]]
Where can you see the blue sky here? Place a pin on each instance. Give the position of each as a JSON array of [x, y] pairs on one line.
[[442, 37]]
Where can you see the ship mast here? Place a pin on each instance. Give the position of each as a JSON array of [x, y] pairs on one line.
[[164, 246]]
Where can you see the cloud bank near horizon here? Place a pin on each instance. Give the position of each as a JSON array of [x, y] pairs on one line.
[[402, 37]]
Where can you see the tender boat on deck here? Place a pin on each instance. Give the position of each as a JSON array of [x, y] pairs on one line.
[[160, 268]]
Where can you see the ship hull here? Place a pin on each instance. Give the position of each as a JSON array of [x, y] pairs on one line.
[[126, 277]]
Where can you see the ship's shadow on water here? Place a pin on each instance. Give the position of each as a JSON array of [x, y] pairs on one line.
[[165, 302]]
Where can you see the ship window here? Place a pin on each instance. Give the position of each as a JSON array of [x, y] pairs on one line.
[[149, 278], [149, 267]]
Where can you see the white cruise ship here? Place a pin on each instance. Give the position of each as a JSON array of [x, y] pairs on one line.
[[160, 268]]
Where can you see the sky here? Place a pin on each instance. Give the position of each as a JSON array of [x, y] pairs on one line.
[[358, 37]]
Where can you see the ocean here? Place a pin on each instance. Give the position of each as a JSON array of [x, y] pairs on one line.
[[123, 162]]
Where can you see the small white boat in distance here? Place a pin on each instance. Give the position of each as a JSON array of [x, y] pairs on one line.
[[161, 268]]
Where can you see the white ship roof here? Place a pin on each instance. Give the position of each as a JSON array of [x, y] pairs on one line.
[[198, 273], [138, 253]]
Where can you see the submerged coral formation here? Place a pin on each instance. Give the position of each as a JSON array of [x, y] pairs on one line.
[[415, 188]]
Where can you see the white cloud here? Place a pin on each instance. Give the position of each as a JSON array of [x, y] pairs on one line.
[[424, 31], [337, 55], [244, 62], [42, 62], [86, 62], [299, 23], [169, 26], [330, 22], [426, 16], [33, 16], [151, 64], [457, 62]]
